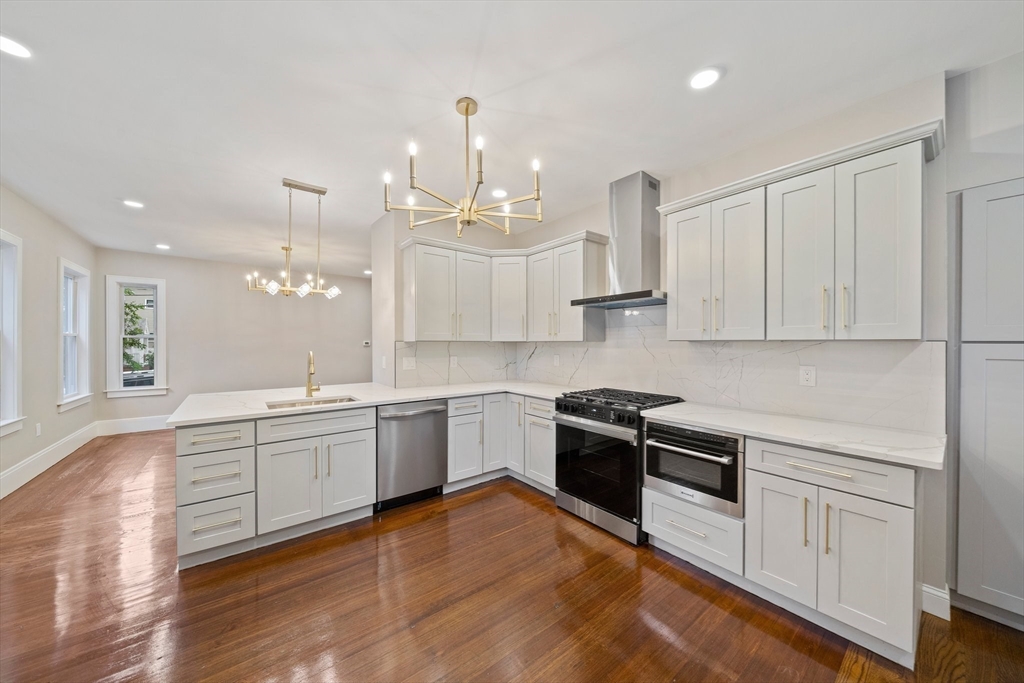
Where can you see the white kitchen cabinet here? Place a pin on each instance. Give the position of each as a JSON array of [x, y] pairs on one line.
[[782, 536], [878, 266], [554, 279], [993, 248], [430, 294], [800, 218], [349, 466], [473, 297], [288, 486], [737, 266], [515, 429], [495, 435], [689, 274], [540, 296], [568, 320], [866, 565], [465, 446], [990, 564], [508, 298], [540, 451]]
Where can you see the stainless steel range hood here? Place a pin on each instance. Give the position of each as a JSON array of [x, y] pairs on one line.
[[634, 245]]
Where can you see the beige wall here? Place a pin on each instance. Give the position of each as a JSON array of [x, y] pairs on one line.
[[44, 241], [221, 337]]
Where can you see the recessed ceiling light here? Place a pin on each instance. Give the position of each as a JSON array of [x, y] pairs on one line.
[[367, 272], [132, 203], [704, 78], [163, 246], [499, 194], [13, 48]]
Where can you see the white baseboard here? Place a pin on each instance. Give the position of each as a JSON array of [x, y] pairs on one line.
[[18, 475], [935, 601]]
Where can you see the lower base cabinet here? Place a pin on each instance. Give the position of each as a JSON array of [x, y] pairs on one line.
[[495, 428], [350, 471], [465, 446], [515, 428], [539, 456]]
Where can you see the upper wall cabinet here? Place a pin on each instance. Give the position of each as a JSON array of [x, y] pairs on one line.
[[716, 269], [447, 295], [993, 279], [508, 298], [473, 297], [553, 279], [879, 245]]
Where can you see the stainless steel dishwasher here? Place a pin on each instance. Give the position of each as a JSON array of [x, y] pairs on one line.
[[412, 452]]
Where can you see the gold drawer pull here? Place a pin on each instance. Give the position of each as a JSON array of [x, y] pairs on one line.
[[695, 533], [215, 439], [818, 469], [237, 520], [537, 406], [545, 425], [237, 473], [461, 406]]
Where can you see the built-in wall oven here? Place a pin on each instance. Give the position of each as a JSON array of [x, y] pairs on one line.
[[702, 466]]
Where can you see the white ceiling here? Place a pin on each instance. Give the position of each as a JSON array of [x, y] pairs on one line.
[[199, 109]]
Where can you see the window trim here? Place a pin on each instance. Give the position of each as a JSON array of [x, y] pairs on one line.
[[82, 279], [113, 333], [13, 424]]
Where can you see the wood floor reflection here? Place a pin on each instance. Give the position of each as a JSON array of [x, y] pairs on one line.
[[489, 584]]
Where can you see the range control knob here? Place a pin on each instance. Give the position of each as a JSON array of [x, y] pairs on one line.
[[631, 419], [620, 418]]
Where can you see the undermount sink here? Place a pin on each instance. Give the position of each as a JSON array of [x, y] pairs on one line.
[[306, 402]]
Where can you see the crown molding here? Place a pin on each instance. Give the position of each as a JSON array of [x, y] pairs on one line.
[[529, 251], [931, 133]]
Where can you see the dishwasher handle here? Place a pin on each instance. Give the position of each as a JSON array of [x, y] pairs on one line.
[[410, 413]]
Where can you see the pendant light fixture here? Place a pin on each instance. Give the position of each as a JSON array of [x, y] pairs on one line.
[[311, 285], [465, 210]]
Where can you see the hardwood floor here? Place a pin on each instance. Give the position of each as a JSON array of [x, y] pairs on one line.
[[487, 584]]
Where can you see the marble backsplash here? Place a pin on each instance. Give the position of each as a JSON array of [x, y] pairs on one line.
[[885, 383]]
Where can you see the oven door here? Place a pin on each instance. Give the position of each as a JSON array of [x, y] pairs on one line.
[[708, 477], [599, 464]]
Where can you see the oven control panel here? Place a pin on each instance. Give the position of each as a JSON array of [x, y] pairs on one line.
[[613, 413]]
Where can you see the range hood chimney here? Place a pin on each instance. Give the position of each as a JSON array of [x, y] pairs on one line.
[[634, 245]]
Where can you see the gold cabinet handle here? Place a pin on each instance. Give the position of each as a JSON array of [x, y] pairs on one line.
[[703, 308], [695, 533], [545, 425], [216, 439], [818, 469], [537, 406], [715, 313], [549, 324], [824, 296], [481, 432], [844, 305], [463, 406], [216, 524], [519, 417], [316, 462], [453, 324], [828, 510], [806, 501], [328, 460], [236, 473]]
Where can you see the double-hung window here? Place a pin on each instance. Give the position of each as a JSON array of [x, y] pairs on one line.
[[136, 339], [11, 417], [74, 387]]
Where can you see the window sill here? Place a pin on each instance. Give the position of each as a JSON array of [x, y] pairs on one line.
[[138, 391], [10, 426], [73, 402]]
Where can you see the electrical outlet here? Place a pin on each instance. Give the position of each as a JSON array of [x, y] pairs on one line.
[[39, 429], [454, 361], [557, 360], [366, 343], [409, 363], [808, 376]]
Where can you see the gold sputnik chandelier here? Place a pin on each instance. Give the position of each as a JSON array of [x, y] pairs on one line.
[[311, 285], [465, 210]]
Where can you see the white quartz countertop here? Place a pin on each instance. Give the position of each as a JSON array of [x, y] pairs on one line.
[[249, 405], [896, 446]]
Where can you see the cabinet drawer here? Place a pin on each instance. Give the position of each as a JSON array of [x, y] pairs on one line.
[[207, 476], [839, 472], [289, 427], [208, 438], [540, 407], [707, 534], [216, 522], [467, 405]]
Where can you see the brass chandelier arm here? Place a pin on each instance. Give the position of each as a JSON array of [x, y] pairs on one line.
[[435, 219], [426, 209], [440, 198], [502, 214], [517, 200], [492, 224]]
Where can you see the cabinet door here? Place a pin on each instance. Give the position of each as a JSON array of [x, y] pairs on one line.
[[782, 538], [991, 546], [508, 298], [515, 414], [540, 296], [465, 446], [878, 245], [288, 484], [689, 274], [801, 227], [568, 320], [435, 293], [737, 266], [540, 451], [495, 439], [350, 471], [993, 279], [866, 565], [473, 297]]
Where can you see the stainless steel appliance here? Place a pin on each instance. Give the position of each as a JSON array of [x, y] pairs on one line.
[[597, 457], [412, 452], [701, 466]]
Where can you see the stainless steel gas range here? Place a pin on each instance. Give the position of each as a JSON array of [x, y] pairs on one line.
[[598, 469]]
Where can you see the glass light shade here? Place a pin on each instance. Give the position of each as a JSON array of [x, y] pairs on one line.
[[332, 292], [273, 288], [410, 200], [536, 165], [387, 178], [479, 142], [304, 290], [412, 148]]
